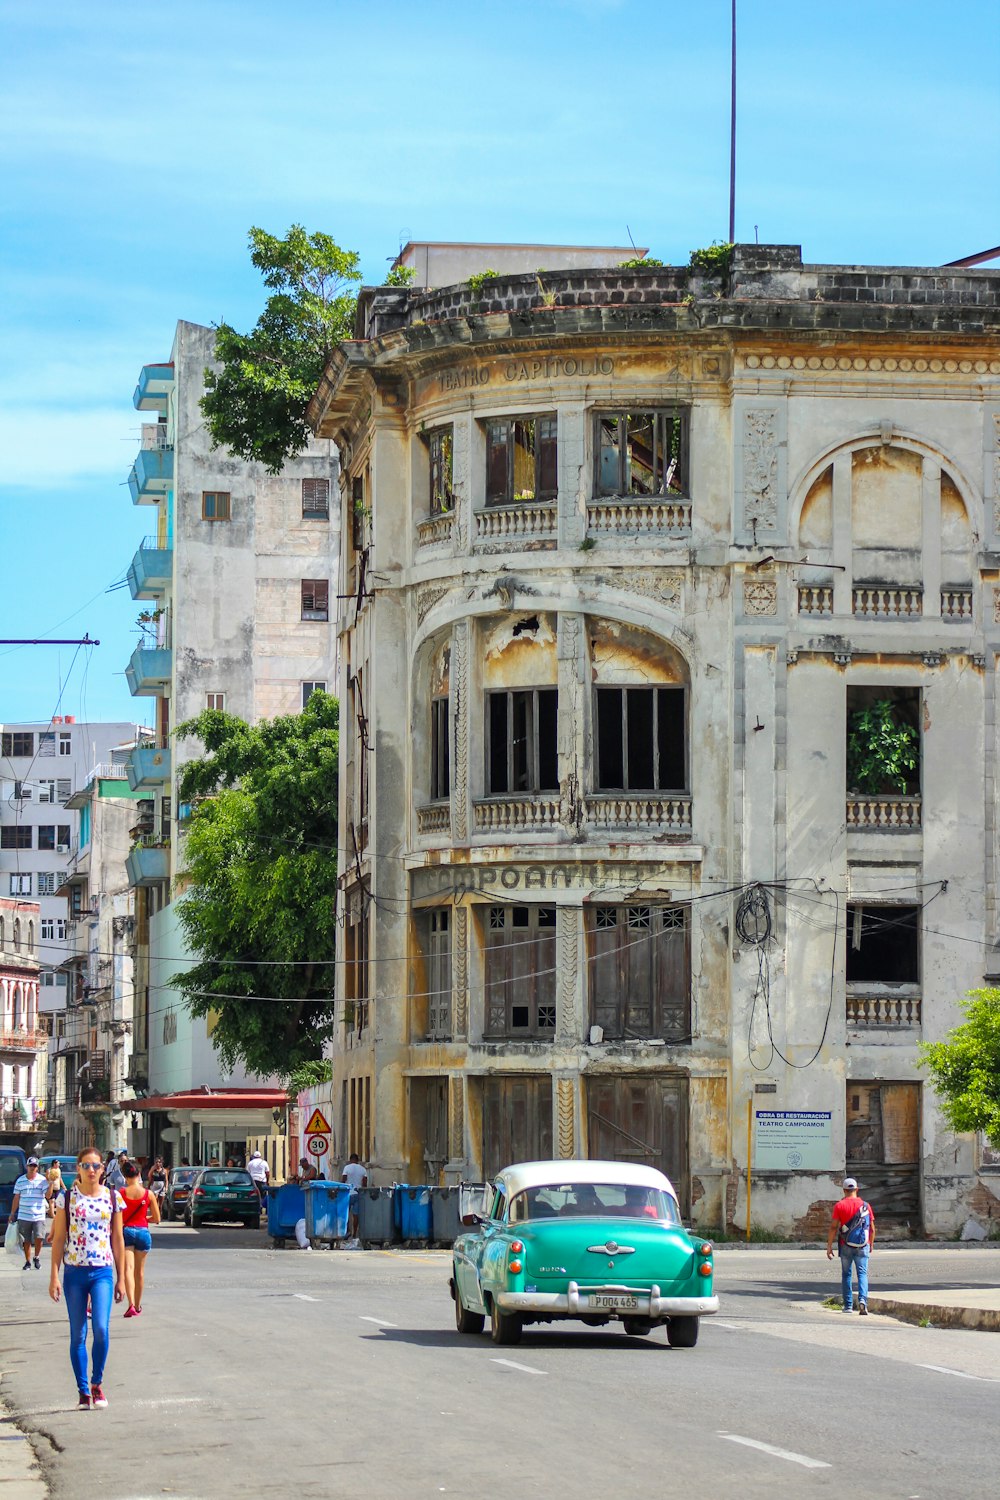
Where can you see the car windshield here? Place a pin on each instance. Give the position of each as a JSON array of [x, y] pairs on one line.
[[10, 1169], [594, 1200], [183, 1175], [227, 1179]]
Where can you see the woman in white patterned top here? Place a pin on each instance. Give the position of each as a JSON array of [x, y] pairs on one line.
[[87, 1241]]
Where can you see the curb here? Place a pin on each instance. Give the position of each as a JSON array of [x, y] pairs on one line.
[[984, 1318]]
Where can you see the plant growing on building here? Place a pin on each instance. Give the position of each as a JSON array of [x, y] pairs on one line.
[[964, 1068], [639, 263], [307, 1075], [259, 906], [401, 276], [714, 260], [255, 403], [479, 280], [881, 751]]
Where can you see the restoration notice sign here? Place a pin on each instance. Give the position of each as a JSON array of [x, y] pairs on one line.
[[789, 1140]]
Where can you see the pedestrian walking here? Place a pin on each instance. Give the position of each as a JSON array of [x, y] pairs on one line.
[[113, 1176], [27, 1211], [853, 1224], [142, 1208], [53, 1196], [355, 1174], [260, 1172], [87, 1243], [159, 1180]]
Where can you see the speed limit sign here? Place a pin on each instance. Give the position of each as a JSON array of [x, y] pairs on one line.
[[318, 1145]]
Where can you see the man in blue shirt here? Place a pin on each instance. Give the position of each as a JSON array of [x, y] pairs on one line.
[[28, 1208]]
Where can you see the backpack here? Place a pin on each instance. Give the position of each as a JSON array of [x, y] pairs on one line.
[[854, 1234]]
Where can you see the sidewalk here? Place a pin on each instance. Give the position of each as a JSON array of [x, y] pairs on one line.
[[20, 1474], [943, 1309]]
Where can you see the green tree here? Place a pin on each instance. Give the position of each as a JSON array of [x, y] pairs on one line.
[[259, 910], [881, 751], [255, 405], [965, 1068]]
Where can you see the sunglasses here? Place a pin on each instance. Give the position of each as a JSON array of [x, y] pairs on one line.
[[91, 1166]]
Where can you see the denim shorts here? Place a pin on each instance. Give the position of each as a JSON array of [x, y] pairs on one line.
[[138, 1239]]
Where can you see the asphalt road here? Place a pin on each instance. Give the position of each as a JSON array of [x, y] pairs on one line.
[[265, 1373]]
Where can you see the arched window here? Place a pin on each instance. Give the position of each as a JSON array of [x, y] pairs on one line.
[[17, 936], [31, 937]]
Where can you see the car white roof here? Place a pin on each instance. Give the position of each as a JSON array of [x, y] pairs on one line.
[[531, 1174]]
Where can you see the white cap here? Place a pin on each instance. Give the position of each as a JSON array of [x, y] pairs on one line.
[[255, 1156], [850, 1182]]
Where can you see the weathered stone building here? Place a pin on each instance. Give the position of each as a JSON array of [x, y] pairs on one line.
[[628, 559]]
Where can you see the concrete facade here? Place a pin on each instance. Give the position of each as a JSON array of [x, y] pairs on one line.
[[23, 1035], [226, 626], [600, 936]]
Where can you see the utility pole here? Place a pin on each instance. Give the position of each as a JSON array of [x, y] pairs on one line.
[[732, 132]]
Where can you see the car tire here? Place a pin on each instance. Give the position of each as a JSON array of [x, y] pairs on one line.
[[465, 1321], [505, 1328], [637, 1328], [682, 1333]]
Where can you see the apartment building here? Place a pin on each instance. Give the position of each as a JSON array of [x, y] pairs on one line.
[[235, 582], [636, 563], [23, 1033]]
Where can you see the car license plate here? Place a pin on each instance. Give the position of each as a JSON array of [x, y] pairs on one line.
[[227, 1195], [611, 1303]]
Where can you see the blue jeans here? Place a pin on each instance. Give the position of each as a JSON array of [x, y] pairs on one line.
[[851, 1256], [97, 1283]]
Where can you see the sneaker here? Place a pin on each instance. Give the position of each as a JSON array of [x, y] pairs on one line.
[[847, 1309], [98, 1397], [863, 1309], [38, 1263], [133, 1312], [27, 1264], [84, 1402]]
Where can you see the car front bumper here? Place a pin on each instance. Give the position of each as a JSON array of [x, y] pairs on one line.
[[574, 1303]]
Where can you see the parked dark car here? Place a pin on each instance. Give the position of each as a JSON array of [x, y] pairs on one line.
[[223, 1195], [12, 1164], [175, 1199]]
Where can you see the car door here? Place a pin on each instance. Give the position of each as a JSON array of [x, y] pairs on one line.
[[472, 1253]]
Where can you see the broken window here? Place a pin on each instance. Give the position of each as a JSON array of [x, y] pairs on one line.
[[440, 757], [520, 943], [315, 599], [883, 741], [641, 739], [521, 459], [20, 743], [521, 753], [315, 499], [358, 512], [439, 451], [641, 453], [640, 971], [356, 975], [883, 944], [436, 937]]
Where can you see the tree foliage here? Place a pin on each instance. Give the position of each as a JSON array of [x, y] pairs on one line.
[[881, 750], [965, 1068], [261, 858], [255, 405]]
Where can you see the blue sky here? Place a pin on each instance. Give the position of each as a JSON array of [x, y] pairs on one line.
[[136, 148]]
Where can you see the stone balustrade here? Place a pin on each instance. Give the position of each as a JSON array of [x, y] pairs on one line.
[[435, 529], [434, 818], [516, 814], [815, 599], [516, 523], [659, 814], [895, 814], [956, 604], [887, 602], [655, 518], [883, 1010]]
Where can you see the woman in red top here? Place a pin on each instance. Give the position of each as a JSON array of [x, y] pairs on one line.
[[141, 1210]]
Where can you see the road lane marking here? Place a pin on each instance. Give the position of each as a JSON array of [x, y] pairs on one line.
[[382, 1322], [793, 1458], [170, 1401], [963, 1374], [301, 1297], [512, 1364]]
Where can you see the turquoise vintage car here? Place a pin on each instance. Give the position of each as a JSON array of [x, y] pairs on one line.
[[591, 1240]]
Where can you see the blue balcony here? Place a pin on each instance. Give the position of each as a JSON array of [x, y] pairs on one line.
[[148, 671], [152, 475], [151, 570], [148, 863], [148, 767], [154, 387]]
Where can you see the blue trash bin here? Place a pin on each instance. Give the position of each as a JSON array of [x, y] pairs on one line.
[[413, 1214], [327, 1205], [446, 1215], [286, 1205], [375, 1208]]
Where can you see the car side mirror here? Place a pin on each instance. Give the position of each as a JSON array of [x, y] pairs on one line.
[[471, 1220]]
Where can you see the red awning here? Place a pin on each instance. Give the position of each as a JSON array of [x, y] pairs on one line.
[[205, 1098]]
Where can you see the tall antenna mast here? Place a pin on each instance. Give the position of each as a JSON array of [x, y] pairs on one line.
[[732, 133]]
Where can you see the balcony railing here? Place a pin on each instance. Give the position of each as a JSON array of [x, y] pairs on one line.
[[659, 814], [887, 602], [516, 814], [148, 766], [153, 388], [20, 1039], [148, 671], [148, 862], [435, 529], [884, 813], [516, 523], [151, 570], [956, 604], [152, 475], [815, 599], [901, 1011], [434, 818], [629, 518]]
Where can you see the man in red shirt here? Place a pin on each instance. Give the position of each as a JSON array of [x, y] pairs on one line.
[[854, 1225]]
